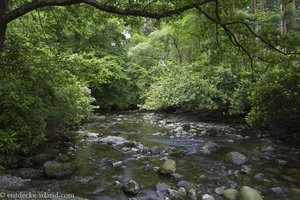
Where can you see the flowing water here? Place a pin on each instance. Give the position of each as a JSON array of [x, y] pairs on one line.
[[155, 136]]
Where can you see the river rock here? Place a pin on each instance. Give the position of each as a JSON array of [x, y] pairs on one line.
[[259, 177], [162, 187], [245, 169], [182, 192], [231, 194], [208, 197], [277, 192], [176, 176], [236, 158], [41, 158], [209, 148], [178, 129], [62, 158], [173, 194], [248, 193], [281, 162], [113, 140], [192, 130], [131, 188], [176, 152], [91, 136], [192, 194], [168, 167], [56, 169], [29, 173], [219, 190], [186, 185]]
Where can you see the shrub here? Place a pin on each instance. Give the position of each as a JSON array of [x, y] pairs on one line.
[[275, 98]]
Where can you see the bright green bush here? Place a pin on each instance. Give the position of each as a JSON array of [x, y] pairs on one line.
[[275, 98], [200, 86]]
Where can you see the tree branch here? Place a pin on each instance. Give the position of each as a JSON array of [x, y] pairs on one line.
[[28, 7], [259, 37]]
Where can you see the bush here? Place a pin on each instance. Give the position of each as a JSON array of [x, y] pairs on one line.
[[36, 94], [275, 98], [200, 86]]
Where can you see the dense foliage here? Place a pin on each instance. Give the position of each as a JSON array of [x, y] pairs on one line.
[[231, 59]]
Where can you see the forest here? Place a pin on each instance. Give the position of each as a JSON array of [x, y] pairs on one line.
[[62, 62]]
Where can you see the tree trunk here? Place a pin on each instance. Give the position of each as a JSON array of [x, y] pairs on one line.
[[3, 24], [3, 27], [253, 7]]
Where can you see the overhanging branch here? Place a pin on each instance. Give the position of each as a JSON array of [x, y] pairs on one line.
[[28, 7]]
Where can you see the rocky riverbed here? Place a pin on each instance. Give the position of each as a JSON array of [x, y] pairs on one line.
[[160, 156]]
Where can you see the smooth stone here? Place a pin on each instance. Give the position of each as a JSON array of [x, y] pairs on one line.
[[209, 148], [178, 129], [131, 188], [113, 140], [186, 185], [192, 194], [207, 197], [168, 167], [174, 195], [231, 194], [162, 187], [259, 177], [236, 158], [277, 192], [92, 136], [56, 169], [176, 176], [281, 162], [192, 130], [219, 190], [248, 193], [182, 192], [117, 164], [245, 169]]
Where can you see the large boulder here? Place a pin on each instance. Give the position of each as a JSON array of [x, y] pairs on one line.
[[209, 148], [248, 193], [56, 169], [236, 158], [168, 167]]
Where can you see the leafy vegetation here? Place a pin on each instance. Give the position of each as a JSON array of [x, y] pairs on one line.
[[224, 57]]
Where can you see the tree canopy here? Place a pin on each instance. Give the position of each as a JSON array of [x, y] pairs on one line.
[[63, 59]]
